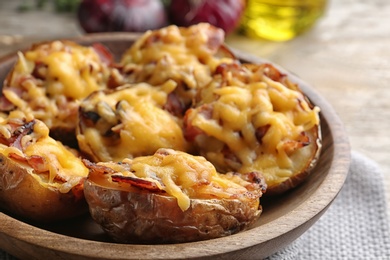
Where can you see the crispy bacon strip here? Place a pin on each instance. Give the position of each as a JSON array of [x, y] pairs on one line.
[[39, 71], [38, 163], [174, 105], [99, 169], [133, 181], [136, 182], [235, 69], [6, 105], [292, 145], [190, 131], [18, 131], [273, 73]]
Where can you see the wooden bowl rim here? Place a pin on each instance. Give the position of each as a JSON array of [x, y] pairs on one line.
[[267, 233]]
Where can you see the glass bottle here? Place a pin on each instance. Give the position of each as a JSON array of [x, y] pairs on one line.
[[280, 20]]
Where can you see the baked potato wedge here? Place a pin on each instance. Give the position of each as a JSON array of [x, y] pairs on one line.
[[50, 79], [186, 55], [170, 197], [251, 117], [40, 179], [128, 122]]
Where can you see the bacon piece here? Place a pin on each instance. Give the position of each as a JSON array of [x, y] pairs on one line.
[[133, 181], [6, 105], [19, 133], [237, 71], [38, 163], [260, 132], [136, 182], [104, 53], [39, 71], [174, 105], [95, 168], [116, 77], [190, 131], [291, 146], [273, 73], [4, 140], [17, 157]]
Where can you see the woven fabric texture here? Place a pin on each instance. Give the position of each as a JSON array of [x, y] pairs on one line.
[[356, 225]]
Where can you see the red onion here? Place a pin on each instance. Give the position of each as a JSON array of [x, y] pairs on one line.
[[224, 14], [121, 15]]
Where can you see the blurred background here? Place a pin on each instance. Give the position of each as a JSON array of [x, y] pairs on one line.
[[344, 55]]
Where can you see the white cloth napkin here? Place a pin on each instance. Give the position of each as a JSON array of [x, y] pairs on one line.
[[355, 226]]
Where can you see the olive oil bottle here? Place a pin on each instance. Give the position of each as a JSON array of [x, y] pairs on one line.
[[280, 20]]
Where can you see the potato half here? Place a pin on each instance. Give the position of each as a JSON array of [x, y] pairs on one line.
[[170, 197], [50, 79], [40, 179], [252, 118], [128, 122], [186, 55]]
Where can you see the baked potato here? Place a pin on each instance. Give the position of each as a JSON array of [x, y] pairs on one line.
[[253, 118], [187, 55], [40, 179], [170, 197], [128, 122], [50, 79]]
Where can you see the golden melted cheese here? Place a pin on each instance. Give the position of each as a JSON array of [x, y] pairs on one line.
[[50, 79], [187, 177], [185, 55], [235, 113], [134, 113], [63, 169]]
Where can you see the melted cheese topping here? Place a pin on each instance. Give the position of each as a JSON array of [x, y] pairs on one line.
[[236, 112], [51, 78], [185, 55], [135, 115], [259, 119], [63, 168], [187, 177]]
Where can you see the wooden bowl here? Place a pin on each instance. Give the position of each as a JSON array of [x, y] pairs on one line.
[[283, 220]]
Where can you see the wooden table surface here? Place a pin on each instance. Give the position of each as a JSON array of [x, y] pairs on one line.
[[346, 57]]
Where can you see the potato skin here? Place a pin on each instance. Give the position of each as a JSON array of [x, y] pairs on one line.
[[291, 160], [307, 165], [35, 75], [23, 195], [144, 217]]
